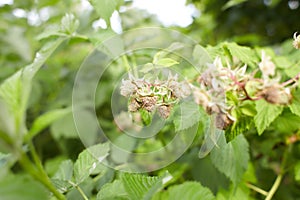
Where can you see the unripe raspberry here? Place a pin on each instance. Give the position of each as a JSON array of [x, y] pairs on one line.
[[276, 94]]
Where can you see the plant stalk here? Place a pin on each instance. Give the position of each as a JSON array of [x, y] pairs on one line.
[[79, 190], [257, 189], [274, 187], [41, 176], [279, 178]]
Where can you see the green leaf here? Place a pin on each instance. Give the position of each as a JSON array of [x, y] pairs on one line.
[[88, 160], [232, 158], [166, 62], [297, 171], [232, 3], [241, 125], [295, 105], [45, 120], [143, 187], [65, 127], [105, 8], [287, 122], [62, 185], [245, 54], [63, 176], [235, 193], [266, 114], [113, 191], [21, 187], [201, 57], [189, 115], [15, 90], [65, 171], [147, 68], [282, 62], [190, 191]]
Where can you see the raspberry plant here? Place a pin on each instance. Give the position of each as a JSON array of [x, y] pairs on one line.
[[218, 121]]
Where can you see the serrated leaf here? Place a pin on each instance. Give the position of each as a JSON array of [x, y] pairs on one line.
[[245, 54], [242, 124], [105, 8], [113, 191], [45, 120], [15, 90], [88, 160], [188, 116], [21, 187], [266, 114], [62, 185], [295, 105], [63, 176], [297, 171], [166, 62], [232, 158], [190, 191], [65, 171], [141, 187]]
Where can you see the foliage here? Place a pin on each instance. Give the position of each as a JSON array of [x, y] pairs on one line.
[[236, 107]]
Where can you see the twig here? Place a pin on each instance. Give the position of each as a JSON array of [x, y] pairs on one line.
[[274, 187], [257, 189]]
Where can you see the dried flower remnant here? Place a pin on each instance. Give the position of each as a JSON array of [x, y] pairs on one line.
[[152, 95], [266, 66], [211, 95], [128, 87], [164, 111], [296, 42]]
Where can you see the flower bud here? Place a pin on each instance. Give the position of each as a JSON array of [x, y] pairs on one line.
[[296, 42], [266, 66]]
